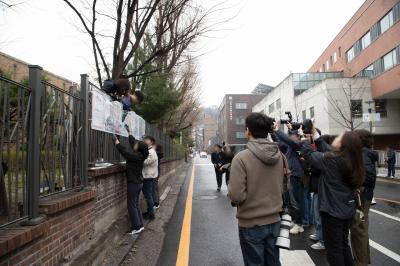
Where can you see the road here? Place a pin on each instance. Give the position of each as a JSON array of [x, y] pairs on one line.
[[203, 228]]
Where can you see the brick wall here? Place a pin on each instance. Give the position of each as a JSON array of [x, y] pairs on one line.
[[73, 218]]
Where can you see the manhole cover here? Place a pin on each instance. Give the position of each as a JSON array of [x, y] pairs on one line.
[[206, 197]]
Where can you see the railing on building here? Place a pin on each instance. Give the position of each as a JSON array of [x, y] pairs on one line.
[[46, 143]]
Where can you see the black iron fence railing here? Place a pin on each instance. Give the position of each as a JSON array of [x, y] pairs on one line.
[[46, 143], [14, 114]]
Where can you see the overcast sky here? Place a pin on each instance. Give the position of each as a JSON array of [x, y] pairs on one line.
[[263, 43]]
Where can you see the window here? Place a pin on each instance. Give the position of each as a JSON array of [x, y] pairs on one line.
[[334, 57], [304, 115], [369, 71], [350, 54], [271, 108], [241, 105], [312, 112], [386, 22], [365, 40], [327, 64], [240, 135], [356, 108], [240, 121], [380, 107], [340, 51], [278, 104], [389, 60]]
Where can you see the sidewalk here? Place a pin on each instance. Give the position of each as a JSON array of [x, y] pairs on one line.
[[382, 172]]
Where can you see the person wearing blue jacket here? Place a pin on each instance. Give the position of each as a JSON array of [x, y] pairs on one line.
[[291, 144]]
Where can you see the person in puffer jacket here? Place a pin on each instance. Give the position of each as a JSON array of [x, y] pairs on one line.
[[359, 230]]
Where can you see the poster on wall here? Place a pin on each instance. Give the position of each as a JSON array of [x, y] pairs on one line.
[[107, 116]]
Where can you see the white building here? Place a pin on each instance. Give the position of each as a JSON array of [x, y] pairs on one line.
[[328, 98]]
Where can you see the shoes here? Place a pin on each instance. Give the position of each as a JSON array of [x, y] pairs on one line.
[[136, 231], [296, 229], [313, 237], [318, 246], [156, 206], [219, 189], [373, 201]]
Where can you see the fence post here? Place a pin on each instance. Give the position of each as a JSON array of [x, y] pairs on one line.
[[85, 129], [33, 164]]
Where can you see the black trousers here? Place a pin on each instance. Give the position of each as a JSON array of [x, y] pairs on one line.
[[135, 215], [336, 238], [218, 174], [227, 175]]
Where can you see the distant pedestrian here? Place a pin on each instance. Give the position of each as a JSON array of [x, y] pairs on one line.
[[135, 155], [156, 194], [391, 161], [150, 173], [256, 187], [216, 158], [226, 163]]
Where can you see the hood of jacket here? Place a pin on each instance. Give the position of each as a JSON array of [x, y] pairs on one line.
[[265, 150]]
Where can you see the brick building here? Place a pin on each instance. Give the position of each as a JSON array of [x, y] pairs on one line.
[[231, 119], [369, 44]]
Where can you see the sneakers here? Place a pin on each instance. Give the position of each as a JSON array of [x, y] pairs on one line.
[[296, 229], [156, 206], [313, 237], [318, 246], [136, 231], [373, 201]]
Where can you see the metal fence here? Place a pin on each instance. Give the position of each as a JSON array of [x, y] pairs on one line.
[[14, 114]]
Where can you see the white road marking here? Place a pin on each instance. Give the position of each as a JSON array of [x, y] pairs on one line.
[[295, 257], [203, 164], [384, 250], [386, 215], [165, 193]]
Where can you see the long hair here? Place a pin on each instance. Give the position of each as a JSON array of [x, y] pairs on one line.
[[365, 137], [352, 166]]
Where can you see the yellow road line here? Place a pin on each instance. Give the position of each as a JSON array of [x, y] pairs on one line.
[[388, 200], [184, 243]]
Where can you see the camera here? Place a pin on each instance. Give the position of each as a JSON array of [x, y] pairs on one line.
[[306, 124], [289, 120], [283, 240]]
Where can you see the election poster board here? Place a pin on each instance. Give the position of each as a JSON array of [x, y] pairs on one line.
[[108, 116]]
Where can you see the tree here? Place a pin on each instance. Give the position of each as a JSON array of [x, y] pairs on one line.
[[172, 26], [346, 102]]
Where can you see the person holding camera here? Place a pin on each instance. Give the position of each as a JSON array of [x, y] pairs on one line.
[[291, 144], [135, 156], [359, 229], [256, 187], [342, 174]]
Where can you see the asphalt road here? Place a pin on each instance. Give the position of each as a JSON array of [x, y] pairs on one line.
[[210, 235]]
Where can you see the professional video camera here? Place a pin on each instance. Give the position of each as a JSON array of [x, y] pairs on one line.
[[307, 124]]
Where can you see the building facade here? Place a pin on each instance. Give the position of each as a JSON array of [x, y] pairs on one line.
[[231, 119], [368, 45]]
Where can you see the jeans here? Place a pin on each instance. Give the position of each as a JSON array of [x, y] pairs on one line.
[[135, 215], [391, 169], [306, 206], [360, 239], [296, 197], [218, 174], [336, 240], [148, 184], [317, 218], [258, 244]]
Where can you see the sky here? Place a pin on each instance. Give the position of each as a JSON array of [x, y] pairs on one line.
[[262, 41]]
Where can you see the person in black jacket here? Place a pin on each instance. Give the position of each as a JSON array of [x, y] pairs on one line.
[[226, 163], [291, 144], [391, 161], [342, 173], [359, 230], [135, 155], [216, 158]]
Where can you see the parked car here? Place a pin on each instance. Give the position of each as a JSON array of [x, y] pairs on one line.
[[203, 154]]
